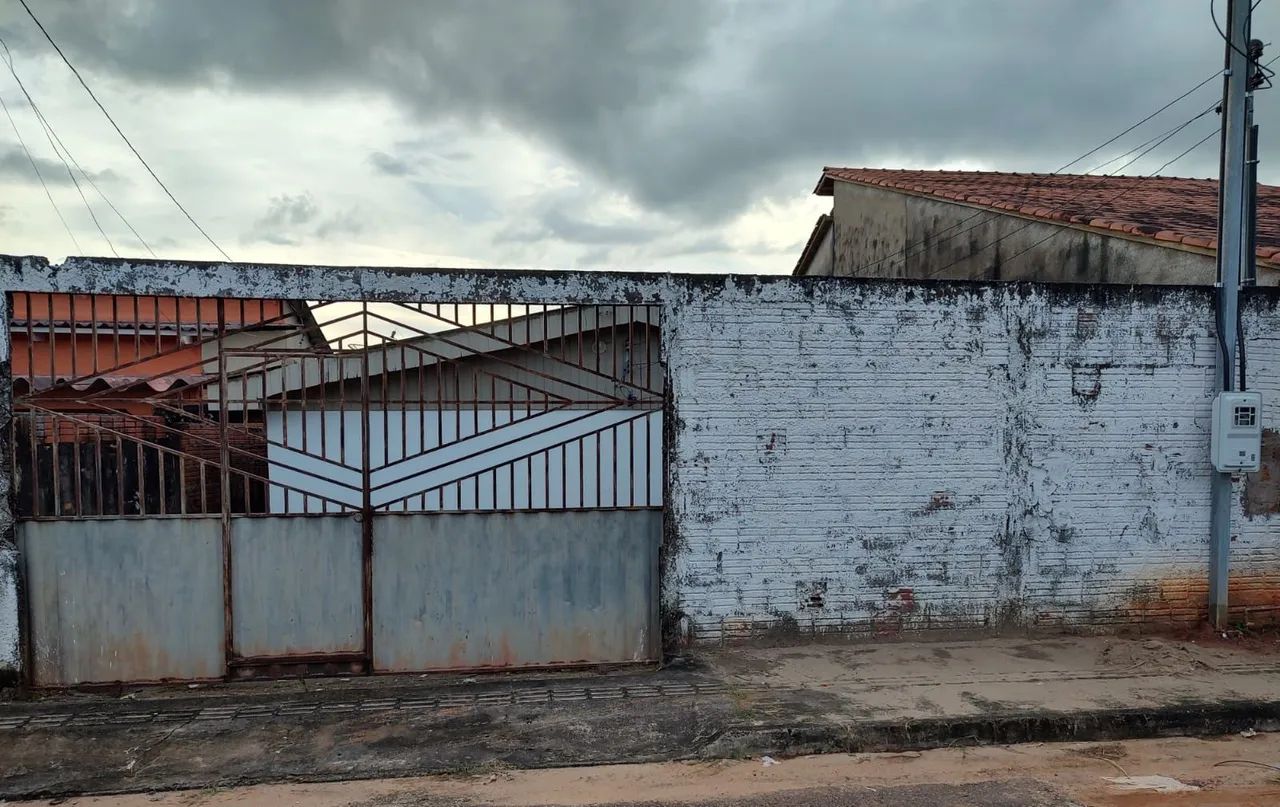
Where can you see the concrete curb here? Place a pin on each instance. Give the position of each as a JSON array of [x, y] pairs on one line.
[[482, 742], [1182, 720]]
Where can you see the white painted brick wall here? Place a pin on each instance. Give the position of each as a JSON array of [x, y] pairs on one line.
[[934, 457], [9, 654]]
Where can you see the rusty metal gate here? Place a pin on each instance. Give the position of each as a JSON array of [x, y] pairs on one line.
[[235, 487]]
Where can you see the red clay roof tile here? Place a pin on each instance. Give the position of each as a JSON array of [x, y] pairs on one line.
[[1167, 209]]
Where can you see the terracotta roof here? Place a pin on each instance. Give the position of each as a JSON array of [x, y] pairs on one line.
[[1169, 209]]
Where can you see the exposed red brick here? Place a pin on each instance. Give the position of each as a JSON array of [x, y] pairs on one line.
[[1253, 598]]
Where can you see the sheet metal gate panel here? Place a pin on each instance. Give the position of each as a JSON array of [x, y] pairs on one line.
[[535, 585], [213, 488]]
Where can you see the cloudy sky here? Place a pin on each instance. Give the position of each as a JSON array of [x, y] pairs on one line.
[[682, 135]]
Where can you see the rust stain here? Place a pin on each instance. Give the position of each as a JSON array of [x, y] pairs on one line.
[[458, 653], [1253, 598], [506, 657]]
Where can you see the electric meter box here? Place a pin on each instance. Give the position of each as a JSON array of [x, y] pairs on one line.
[[1236, 443]]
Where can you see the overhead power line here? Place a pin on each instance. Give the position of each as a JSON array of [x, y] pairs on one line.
[[1147, 148], [1252, 59], [72, 176], [1059, 226], [49, 130], [120, 132], [40, 176], [1158, 140], [905, 252]]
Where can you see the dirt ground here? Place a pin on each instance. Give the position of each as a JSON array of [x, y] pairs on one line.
[[1078, 772]]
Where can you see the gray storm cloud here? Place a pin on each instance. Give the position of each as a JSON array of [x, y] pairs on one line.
[[696, 107]]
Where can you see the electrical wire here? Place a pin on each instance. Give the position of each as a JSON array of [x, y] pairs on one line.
[[50, 130], [72, 176], [1261, 68], [1150, 145], [1144, 144], [120, 132], [1153, 143], [1054, 234], [39, 175], [905, 252], [58, 153]]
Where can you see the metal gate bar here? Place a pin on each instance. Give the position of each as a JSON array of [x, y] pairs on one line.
[[145, 407]]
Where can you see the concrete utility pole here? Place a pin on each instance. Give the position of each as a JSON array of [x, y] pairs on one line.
[[1231, 240]]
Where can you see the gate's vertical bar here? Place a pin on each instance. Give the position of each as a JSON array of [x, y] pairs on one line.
[[457, 414], [161, 462], [120, 508], [224, 467], [302, 411], [264, 406], [422, 417], [323, 373], [342, 405], [115, 331], [140, 477], [73, 338], [403, 377], [440, 404], [155, 325], [384, 395], [136, 311], [54, 425], [31, 419], [366, 496], [182, 474], [284, 411], [77, 500], [93, 329], [493, 425]]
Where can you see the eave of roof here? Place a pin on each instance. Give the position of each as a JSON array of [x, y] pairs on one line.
[[820, 229]]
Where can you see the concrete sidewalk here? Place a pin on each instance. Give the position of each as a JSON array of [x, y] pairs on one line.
[[727, 702]]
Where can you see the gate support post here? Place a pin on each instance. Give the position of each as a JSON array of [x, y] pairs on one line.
[[366, 496], [224, 492], [10, 645]]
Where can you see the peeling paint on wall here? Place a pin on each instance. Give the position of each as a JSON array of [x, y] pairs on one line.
[[9, 655], [956, 456], [879, 456], [10, 647]]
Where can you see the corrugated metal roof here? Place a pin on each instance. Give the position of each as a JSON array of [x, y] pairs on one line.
[[118, 382]]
